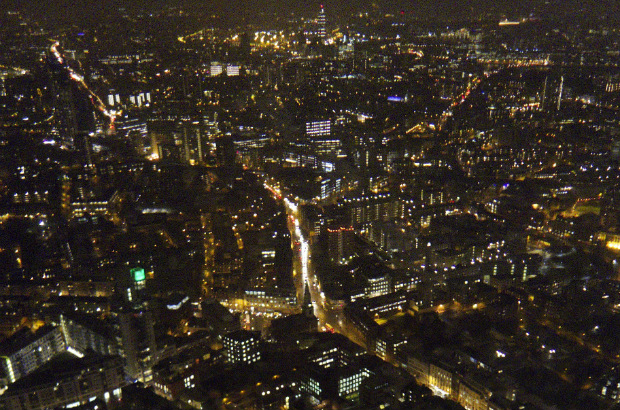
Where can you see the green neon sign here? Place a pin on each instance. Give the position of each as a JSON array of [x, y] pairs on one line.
[[138, 274]]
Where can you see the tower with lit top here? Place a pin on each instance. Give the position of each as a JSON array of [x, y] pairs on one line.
[[322, 23]]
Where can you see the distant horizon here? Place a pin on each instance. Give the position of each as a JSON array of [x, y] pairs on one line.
[[252, 12]]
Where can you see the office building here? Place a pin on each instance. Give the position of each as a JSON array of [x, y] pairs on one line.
[[270, 299], [216, 69], [318, 128], [232, 70], [242, 347]]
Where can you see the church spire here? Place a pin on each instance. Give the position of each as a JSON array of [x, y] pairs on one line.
[[306, 307]]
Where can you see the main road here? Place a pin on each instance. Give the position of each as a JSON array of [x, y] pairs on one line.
[[79, 79], [331, 318]]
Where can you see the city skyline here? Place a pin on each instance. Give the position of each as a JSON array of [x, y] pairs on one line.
[[300, 206]]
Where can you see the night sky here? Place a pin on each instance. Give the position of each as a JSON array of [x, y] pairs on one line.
[[232, 12]]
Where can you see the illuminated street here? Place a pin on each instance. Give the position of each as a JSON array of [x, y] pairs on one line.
[[366, 205]]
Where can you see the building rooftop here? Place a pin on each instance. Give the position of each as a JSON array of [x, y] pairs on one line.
[[241, 335], [64, 366], [23, 338]]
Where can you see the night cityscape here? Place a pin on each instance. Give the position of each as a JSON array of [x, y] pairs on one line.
[[310, 206]]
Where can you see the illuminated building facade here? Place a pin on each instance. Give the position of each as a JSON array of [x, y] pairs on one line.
[[242, 347], [322, 23], [26, 351], [318, 128], [340, 243], [77, 382]]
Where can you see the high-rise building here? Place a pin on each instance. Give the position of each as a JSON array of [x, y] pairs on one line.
[[193, 143], [136, 326], [225, 151], [65, 112], [245, 46], [200, 145], [138, 336], [242, 346], [83, 144], [322, 23], [318, 128], [340, 243]]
